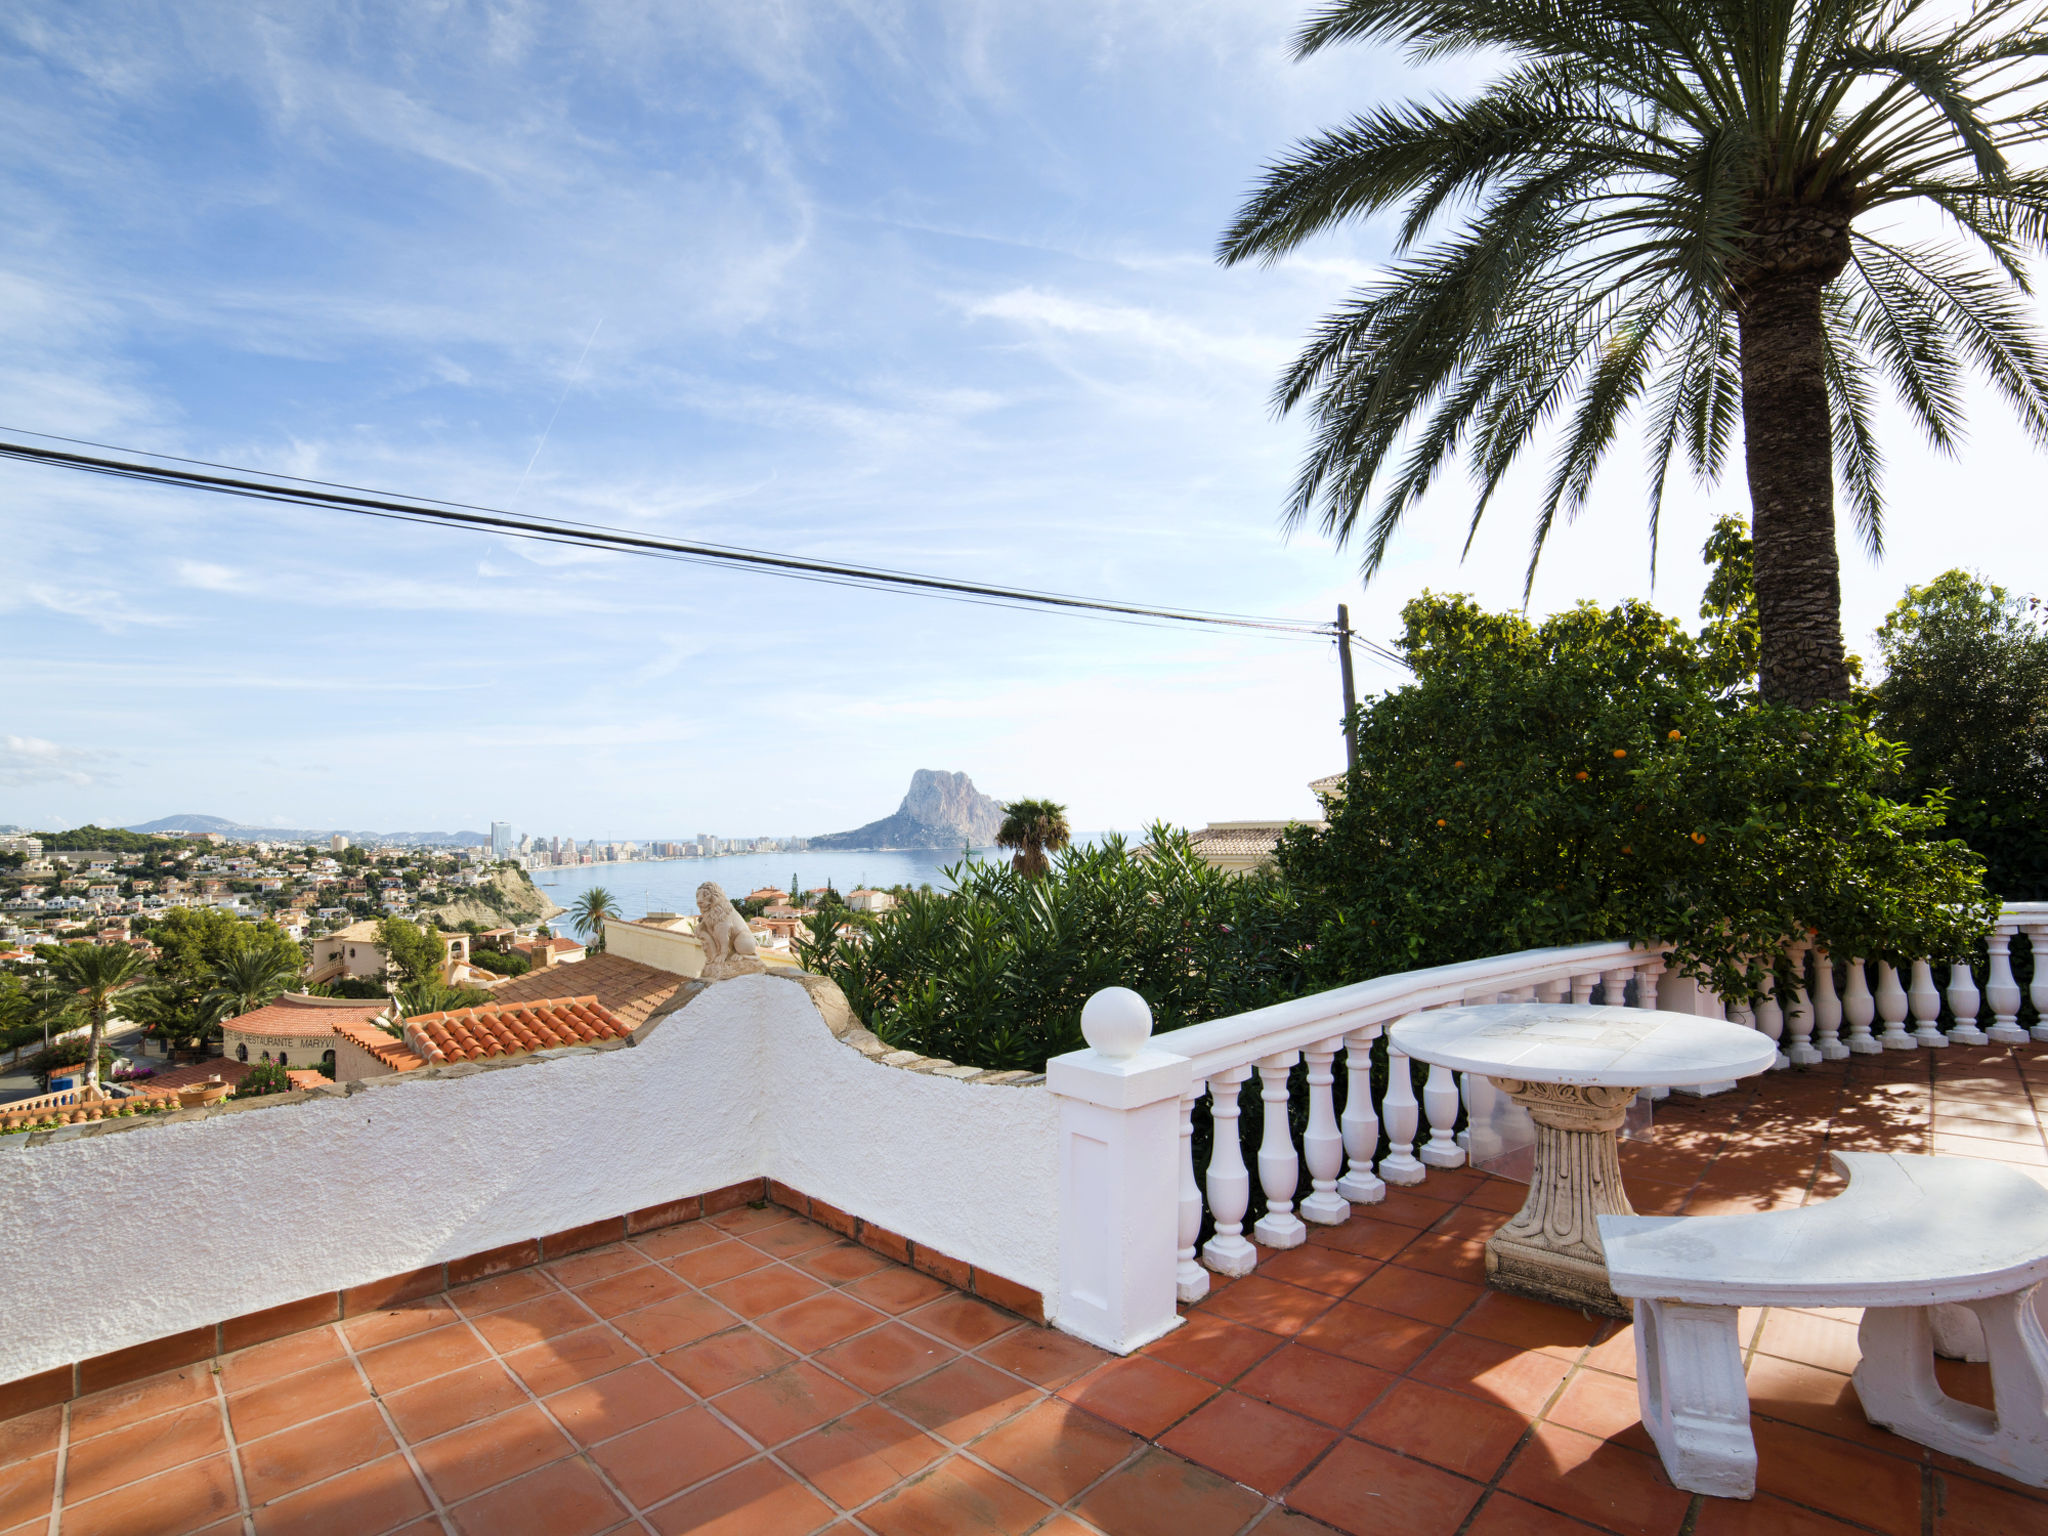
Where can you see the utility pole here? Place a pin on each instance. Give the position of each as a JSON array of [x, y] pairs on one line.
[[1350, 692]]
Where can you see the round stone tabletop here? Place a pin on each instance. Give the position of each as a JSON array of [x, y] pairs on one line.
[[1585, 1045]]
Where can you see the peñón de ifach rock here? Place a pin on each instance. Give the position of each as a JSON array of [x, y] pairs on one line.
[[942, 810]]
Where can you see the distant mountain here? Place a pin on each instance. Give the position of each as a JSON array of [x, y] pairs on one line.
[[169, 825], [942, 810]]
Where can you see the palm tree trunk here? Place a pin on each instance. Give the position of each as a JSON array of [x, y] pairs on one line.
[[1789, 450], [93, 1041]]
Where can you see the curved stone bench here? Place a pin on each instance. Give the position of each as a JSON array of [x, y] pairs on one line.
[[1911, 1235]]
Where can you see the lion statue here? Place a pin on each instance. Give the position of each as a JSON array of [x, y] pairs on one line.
[[729, 948]]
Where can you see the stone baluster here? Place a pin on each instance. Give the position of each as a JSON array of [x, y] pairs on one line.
[[2002, 991], [1360, 1125], [1827, 1008], [1614, 986], [1964, 1001], [1552, 991], [1860, 1008], [1770, 1018], [1279, 1166], [1891, 1007], [1190, 1280], [1478, 1091], [1582, 987], [1440, 1104], [2037, 990], [1401, 1113], [1322, 1144], [1799, 1016], [1230, 1183], [1926, 1006], [1646, 997]]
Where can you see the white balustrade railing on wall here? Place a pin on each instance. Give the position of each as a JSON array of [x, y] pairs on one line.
[[1133, 1201]]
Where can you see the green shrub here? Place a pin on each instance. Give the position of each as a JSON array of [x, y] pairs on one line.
[[264, 1077], [499, 962]]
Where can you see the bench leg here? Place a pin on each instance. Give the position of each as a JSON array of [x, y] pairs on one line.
[[1694, 1397], [1898, 1389]]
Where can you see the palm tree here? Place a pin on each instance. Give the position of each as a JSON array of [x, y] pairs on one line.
[[92, 978], [1668, 208], [246, 979], [1034, 828], [589, 911]]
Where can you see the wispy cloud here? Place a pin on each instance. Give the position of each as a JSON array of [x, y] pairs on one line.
[[28, 760]]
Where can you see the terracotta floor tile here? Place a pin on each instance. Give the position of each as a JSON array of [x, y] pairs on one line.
[[1519, 1380], [1213, 1347], [1964, 1506], [1818, 1400], [1370, 1336], [787, 1239], [1249, 1441], [574, 1357], [280, 1357], [1364, 1235], [962, 1399], [119, 1407], [885, 1357], [1810, 1340], [1966, 1382], [374, 1328], [1161, 1494], [142, 1450], [641, 1286], [1408, 1208], [1328, 1388], [1418, 1294], [447, 1402], [1055, 1448], [711, 1365], [862, 1455], [896, 1289], [32, 1434], [1597, 1481], [1506, 1515], [374, 1497], [684, 1237], [188, 1498], [791, 1401], [528, 1322], [1603, 1406], [1503, 1197], [1615, 1354], [1139, 1393], [1366, 1491], [839, 1262], [667, 1325], [1043, 1355], [611, 1405], [27, 1489], [290, 1459], [662, 1458], [960, 1320], [580, 1269], [750, 1218], [288, 1400], [760, 1499], [819, 1321], [1445, 1428], [1459, 1257], [393, 1367], [959, 1499], [1315, 1267], [1850, 1481], [485, 1454], [501, 1291], [764, 1290], [1272, 1305], [1768, 1516], [1530, 1324], [564, 1499], [719, 1261]]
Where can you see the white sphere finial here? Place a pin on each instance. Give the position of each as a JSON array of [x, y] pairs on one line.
[[1116, 1022]]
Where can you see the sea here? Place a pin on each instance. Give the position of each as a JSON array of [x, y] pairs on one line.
[[670, 885]]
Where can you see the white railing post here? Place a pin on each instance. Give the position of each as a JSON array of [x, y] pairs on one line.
[[1827, 1008], [1926, 1006], [1360, 1125], [2002, 991], [1770, 1018], [1120, 1121], [1799, 1016], [2037, 989], [1190, 1280], [1399, 1110], [1322, 1144], [1891, 1007], [1279, 1166], [1647, 975], [1963, 1001], [1230, 1184], [1860, 1008], [1440, 1105], [1582, 987]]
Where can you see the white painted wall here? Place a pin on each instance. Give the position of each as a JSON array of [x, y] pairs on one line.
[[116, 1239]]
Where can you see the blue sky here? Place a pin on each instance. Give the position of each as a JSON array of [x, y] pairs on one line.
[[926, 286]]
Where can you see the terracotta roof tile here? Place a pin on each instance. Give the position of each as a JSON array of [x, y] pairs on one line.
[[295, 1014], [626, 989], [307, 1078], [507, 1029], [171, 1079], [388, 1049]]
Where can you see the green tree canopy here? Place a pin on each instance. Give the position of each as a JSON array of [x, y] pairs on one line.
[[415, 954], [1034, 828], [93, 979]]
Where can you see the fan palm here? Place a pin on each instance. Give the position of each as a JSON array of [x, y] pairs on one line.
[[92, 978], [245, 979], [589, 911], [1034, 828], [1666, 207]]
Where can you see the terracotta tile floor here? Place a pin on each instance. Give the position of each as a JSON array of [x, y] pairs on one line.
[[755, 1375]]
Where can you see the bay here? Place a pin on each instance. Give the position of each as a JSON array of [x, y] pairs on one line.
[[670, 885]]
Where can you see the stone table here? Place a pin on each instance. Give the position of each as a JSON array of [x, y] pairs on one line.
[[1575, 1067]]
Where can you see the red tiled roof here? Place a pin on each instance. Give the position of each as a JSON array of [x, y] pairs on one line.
[[171, 1079], [307, 1078], [388, 1049], [294, 1014], [624, 988], [507, 1029]]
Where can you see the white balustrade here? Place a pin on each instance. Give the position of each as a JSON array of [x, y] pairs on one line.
[[1964, 1001], [1401, 1114], [1440, 1107], [1190, 1280], [1799, 1015], [1860, 1009], [1360, 1125], [2037, 990], [1322, 1144], [1230, 1183], [1926, 1006], [1770, 1017], [1891, 1007], [1827, 1009], [2002, 991], [1279, 1166]]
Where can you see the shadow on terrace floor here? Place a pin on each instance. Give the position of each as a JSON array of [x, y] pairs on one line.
[[754, 1374]]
